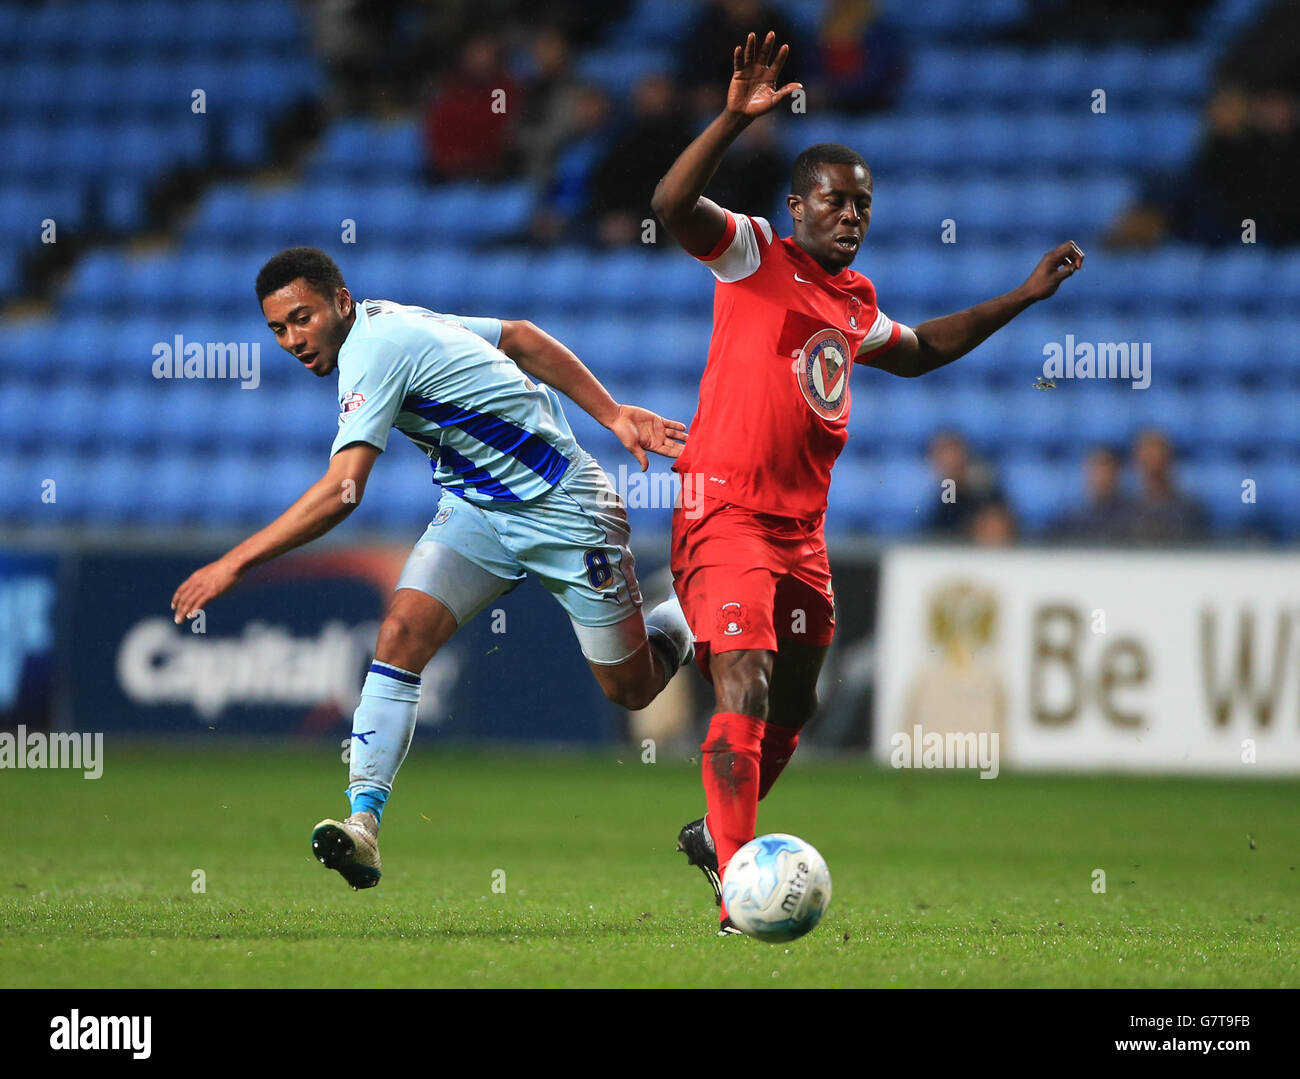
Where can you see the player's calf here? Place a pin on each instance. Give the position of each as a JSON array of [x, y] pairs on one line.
[[741, 680]]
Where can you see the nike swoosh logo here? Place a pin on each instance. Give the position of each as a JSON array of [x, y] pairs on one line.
[[801, 279]]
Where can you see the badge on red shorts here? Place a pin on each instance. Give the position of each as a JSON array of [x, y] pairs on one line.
[[731, 619]]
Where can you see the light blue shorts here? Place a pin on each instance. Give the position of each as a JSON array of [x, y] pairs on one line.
[[574, 539]]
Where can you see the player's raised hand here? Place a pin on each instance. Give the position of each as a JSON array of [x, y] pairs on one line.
[[1054, 267], [754, 71], [639, 430], [202, 586]]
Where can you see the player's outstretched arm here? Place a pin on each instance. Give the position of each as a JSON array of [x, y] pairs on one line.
[[549, 361], [941, 340], [697, 222], [323, 505]]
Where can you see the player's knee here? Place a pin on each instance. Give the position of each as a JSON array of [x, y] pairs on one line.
[[403, 644]]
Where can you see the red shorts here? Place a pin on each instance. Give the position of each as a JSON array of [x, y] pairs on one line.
[[748, 579]]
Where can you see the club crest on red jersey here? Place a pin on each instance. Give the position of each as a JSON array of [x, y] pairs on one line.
[[854, 311], [822, 368], [731, 619]]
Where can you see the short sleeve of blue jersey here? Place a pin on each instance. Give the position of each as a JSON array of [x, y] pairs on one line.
[[487, 328], [370, 400]]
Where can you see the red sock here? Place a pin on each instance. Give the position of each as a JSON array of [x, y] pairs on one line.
[[730, 767], [778, 747]]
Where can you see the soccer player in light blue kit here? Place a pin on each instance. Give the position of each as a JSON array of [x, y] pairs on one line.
[[519, 496]]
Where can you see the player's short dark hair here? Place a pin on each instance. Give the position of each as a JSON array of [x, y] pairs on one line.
[[807, 166], [310, 263]]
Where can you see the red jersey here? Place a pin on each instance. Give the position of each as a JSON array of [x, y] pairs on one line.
[[775, 398]]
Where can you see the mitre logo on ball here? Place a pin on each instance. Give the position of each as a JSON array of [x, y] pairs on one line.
[[822, 368], [731, 619]]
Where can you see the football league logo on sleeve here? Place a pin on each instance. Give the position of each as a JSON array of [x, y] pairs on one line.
[[854, 311], [350, 402], [822, 368]]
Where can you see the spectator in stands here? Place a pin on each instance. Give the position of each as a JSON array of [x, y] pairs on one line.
[[973, 486], [374, 49], [582, 22], [1248, 156], [562, 193], [705, 52], [1249, 152], [1267, 52], [1109, 21], [994, 525], [1107, 515], [468, 129], [862, 61], [1162, 513], [549, 114], [755, 172], [624, 179]]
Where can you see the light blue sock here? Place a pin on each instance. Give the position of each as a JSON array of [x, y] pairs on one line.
[[381, 734]]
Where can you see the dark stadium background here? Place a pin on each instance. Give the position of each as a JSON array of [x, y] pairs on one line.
[[154, 154]]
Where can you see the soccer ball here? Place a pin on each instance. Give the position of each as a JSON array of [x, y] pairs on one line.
[[776, 887]]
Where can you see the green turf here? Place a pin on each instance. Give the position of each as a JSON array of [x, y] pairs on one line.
[[939, 879]]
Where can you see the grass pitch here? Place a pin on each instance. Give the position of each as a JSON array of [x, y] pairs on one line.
[[940, 879]]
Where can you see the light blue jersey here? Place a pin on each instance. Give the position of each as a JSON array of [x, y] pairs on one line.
[[491, 434]]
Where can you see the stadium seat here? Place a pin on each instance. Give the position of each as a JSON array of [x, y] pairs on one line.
[[1040, 492]]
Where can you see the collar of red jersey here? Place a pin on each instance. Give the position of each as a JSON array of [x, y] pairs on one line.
[[845, 278]]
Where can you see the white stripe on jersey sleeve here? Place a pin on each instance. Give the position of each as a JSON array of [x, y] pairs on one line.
[[744, 254], [879, 334]]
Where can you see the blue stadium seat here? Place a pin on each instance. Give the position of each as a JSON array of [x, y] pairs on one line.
[[123, 415], [24, 400], [1277, 493], [619, 69], [676, 348], [1040, 492], [223, 211], [22, 489], [244, 141], [1233, 421], [362, 148], [117, 486], [70, 490], [1280, 426], [284, 476], [882, 496], [1217, 485], [565, 278]]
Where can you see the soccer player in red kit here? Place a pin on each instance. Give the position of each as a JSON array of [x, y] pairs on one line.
[[790, 321]]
